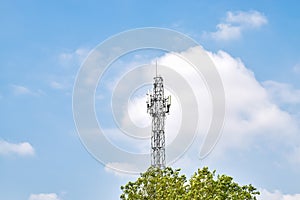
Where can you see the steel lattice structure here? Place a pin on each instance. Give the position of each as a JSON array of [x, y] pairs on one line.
[[157, 106]]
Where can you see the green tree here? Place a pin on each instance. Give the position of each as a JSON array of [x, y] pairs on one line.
[[205, 185], [170, 185]]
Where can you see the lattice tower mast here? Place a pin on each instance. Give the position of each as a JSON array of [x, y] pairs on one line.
[[157, 106]]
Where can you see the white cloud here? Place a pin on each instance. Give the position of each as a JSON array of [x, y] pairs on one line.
[[137, 111], [250, 18], [74, 57], [282, 93], [277, 195], [252, 117], [226, 32], [137, 105], [69, 60], [23, 90], [60, 85], [43, 196], [250, 113], [237, 22], [21, 149], [57, 85]]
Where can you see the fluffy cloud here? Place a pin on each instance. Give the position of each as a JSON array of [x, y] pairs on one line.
[[61, 84], [251, 18], [57, 85], [237, 22], [250, 112], [73, 57], [23, 90], [277, 195], [42, 196], [135, 106], [21, 149], [282, 93], [68, 59], [251, 115]]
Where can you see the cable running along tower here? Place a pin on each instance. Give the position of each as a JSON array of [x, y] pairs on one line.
[[157, 106]]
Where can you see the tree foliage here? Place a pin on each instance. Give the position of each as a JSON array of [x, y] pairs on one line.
[[168, 184]]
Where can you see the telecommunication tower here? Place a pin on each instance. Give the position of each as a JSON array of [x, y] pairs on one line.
[[157, 106]]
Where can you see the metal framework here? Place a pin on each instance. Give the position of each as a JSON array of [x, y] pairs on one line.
[[157, 106]]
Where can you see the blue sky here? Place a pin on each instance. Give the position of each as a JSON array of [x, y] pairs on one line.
[[44, 43]]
